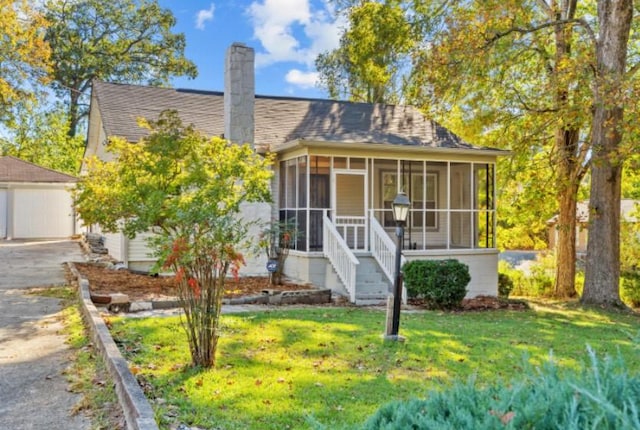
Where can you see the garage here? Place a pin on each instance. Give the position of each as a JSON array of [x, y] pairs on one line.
[[35, 202]]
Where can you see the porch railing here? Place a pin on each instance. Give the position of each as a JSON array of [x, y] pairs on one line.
[[340, 256], [383, 250]]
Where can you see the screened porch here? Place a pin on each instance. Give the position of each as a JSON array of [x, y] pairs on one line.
[[452, 202]]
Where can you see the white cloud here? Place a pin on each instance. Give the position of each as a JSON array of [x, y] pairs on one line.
[[301, 79], [204, 15], [293, 30]]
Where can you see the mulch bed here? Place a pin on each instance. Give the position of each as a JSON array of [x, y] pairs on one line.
[[104, 281]]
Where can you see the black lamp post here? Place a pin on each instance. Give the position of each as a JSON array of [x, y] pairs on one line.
[[400, 207]]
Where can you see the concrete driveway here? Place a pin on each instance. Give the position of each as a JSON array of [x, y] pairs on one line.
[[33, 354]]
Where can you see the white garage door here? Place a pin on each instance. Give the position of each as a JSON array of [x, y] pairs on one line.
[[3, 214], [42, 213]]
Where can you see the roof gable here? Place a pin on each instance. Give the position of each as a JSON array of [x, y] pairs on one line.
[[277, 119], [13, 169]]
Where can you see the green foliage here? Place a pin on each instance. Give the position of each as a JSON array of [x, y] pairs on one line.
[[442, 283], [24, 55], [187, 189], [538, 279], [42, 137], [120, 41], [605, 395], [505, 285], [630, 288], [366, 67]]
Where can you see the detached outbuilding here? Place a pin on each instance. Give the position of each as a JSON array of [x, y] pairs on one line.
[[35, 202]]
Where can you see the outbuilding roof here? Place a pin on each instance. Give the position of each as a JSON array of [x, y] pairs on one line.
[[13, 169], [278, 120]]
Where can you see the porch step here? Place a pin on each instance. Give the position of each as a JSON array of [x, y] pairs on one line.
[[372, 286]]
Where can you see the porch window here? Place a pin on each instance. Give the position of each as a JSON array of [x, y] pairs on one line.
[[304, 196], [422, 190]]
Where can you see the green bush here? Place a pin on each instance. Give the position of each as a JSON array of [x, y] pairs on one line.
[[630, 288], [603, 396], [441, 283], [505, 285]]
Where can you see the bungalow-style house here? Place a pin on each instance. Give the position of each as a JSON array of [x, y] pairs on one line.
[[339, 166], [35, 202], [627, 211]]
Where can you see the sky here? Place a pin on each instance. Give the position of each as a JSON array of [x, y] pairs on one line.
[[286, 35]]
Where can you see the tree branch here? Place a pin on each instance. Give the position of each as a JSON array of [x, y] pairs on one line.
[[521, 30]]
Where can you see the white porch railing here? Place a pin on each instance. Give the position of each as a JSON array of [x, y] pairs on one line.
[[383, 250], [354, 231], [341, 257]]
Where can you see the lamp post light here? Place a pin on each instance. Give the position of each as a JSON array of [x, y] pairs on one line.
[[400, 207]]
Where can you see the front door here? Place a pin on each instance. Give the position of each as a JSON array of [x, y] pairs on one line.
[[350, 207]]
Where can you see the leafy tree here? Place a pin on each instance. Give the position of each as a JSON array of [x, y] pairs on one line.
[[188, 190], [41, 137], [367, 66], [602, 269], [24, 55], [120, 41]]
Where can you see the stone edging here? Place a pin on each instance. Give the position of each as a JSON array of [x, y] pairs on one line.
[[137, 410]]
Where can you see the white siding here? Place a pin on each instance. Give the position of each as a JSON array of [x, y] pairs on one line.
[[259, 214], [41, 213], [113, 243], [3, 213]]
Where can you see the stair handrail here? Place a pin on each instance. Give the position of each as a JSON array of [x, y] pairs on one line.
[[336, 250], [383, 249]]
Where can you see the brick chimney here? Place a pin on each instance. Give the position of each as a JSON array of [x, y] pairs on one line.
[[239, 94]]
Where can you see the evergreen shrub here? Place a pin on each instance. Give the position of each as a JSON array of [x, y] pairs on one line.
[[441, 283], [505, 285], [602, 396]]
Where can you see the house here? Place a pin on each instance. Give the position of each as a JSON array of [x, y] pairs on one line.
[[35, 202], [627, 214], [339, 166]]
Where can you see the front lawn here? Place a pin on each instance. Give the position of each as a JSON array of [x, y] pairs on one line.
[[290, 367]]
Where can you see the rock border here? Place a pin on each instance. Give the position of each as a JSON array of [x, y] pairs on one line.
[[137, 410]]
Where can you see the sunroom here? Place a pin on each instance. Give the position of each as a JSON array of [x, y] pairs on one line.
[[339, 197]]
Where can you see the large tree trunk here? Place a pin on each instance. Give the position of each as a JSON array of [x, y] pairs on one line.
[[570, 172], [602, 275], [566, 245]]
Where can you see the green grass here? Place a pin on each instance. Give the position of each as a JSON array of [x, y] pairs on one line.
[[286, 368]]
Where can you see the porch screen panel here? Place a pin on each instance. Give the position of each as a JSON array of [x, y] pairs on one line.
[[484, 205], [319, 198], [302, 182], [436, 209], [461, 207], [291, 184]]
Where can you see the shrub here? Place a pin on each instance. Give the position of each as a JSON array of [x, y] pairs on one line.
[[505, 285], [630, 288], [603, 396], [442, 283]]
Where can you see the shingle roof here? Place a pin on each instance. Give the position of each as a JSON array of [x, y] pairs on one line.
[[277, 119], [15, 170]]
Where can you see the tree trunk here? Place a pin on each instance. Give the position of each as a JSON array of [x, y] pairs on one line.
[[566, 245], [74, 113], [602, 275], [569, 174]]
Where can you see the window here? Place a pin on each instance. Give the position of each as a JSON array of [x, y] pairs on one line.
[[424, 201], [423, 193]]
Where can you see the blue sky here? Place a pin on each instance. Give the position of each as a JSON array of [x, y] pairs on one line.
[[287, 35]]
